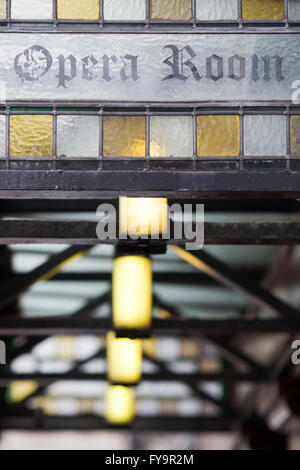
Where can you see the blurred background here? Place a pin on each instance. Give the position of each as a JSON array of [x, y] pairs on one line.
[[228, 390]]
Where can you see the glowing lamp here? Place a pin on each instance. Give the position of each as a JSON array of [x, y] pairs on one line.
[[124, 359], [143, 216], [119, 405], [132, 292]]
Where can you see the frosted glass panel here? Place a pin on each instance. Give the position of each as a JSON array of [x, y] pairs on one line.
[[149, 67], [294, 9], [265, 135], [78, 136], [216, 10], [130, 10], [2, 8], [124, 136], [171, 9], [171, 136], [218, 136], [2, 135], [32, 9], [295, 136], [31, 136], [263, 9], [78, 9]]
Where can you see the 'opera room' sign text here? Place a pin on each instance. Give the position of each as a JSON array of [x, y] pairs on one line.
[[149, 67]]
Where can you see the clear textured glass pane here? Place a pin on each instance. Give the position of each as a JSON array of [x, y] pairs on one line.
[[2, 8], [294, 9], [2, 135], [218, 136], [124, 136], [295, 136], [216, 10], [265, 135], [171, 136], [263, 9], [32, 9], [78, 9], [130, 10], [78, 136], [31, 136], [171, 9]]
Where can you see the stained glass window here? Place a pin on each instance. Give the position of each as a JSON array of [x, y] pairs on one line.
[[32, 9], [294, 9], [129, 10], [78, 9], [171, 136], [171, 10], [78, 136], [218, 136], [265, 135], [295, 136], [2, 8], [31, 136], [209, 10], [263, 9], [124, 136]]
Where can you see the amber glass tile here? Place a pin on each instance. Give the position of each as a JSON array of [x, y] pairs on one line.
[[263, 9], [295, 136], [124, 136], [31, 136], [2, 9], [78, 9], [218, 136], [171, 9]]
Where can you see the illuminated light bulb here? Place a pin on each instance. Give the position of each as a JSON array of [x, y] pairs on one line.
[[119, 405], [143, 216], [132, 292], [124, 359], [21, 389]]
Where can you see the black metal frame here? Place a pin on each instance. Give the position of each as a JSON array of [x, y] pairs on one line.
[[149, 23]]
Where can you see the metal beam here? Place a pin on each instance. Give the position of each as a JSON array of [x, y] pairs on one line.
[[178, 278], [238, 281], [85, 423], [194, 387], [49, 183], [84, 233], [12, 326], [11, 289], [221, 343], [31, 205], [32, 342], [42, 387], [224, 377]]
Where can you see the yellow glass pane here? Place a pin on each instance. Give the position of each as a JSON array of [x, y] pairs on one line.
[[2, 9], [21, 389], [124, 136], [295, 136], [263, 9], [171, 10], [218, 136], [78, 9], [31, 136]]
